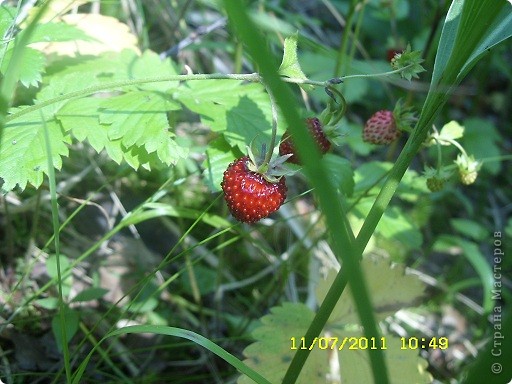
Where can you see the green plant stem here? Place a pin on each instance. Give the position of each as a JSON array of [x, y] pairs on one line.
[[55, 223], [251, 77], [341, 58], [380, 74], [177, 332], [452, 142], [362, 6], [273, 107]]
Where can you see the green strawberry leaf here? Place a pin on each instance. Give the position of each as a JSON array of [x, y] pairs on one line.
[[139, 119], [450, 131], [241, 112], [31, 69], [7, 16], [33, 63], [53, 32], [281, 332], [481, 139], [81, 119], [218, 156], [290, 66], [391, 290], [150, 64], [145, 147], [23, 151], [271, 353], [132, 127], [369, 175]]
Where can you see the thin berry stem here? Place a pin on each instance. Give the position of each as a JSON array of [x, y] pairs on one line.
[[269, 152], [451, 141], [343, 78], [251, 77]]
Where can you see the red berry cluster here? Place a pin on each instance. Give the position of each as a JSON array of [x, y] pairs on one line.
[[251, 194]]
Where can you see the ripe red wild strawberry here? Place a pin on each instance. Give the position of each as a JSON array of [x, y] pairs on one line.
[[317, 132], [250, 195], [381, 128]]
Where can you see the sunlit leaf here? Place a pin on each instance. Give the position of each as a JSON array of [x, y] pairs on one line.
[[290, 65], [23, 157], [280, 335], [451, 131], [390, 288]]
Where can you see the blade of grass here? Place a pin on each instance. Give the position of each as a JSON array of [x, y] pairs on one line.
[[55, 223], [178, 332], [329, 200]]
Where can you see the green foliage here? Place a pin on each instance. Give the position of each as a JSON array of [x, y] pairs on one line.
[[271, 353], [181, 131], [290, 66], [450, 131], [71, 319], [89, 294], [477, 260], [481, 139], [241, 112]]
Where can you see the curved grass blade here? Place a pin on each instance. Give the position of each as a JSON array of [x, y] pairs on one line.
[[177, 332]]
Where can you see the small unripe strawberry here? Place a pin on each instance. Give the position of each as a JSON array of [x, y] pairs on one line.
[[468, 178], [435, 184], [250, 195], [316, 130], [468, 168], [436, 178], [381, 128]]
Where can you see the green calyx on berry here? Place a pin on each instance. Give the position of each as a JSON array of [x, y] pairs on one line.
[[436, 178], [468, 168], [250, 194], [409, 62], [272, 170], [322, 130]]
